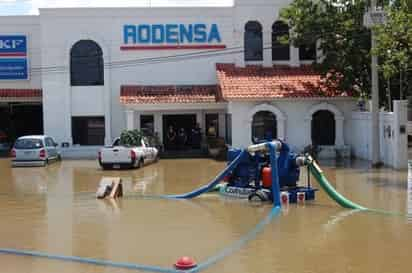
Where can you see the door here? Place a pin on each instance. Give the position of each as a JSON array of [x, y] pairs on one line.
[[178, 123], [323, 128], [51, 148]]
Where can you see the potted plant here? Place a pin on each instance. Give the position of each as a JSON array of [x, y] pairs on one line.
[[131, 137]]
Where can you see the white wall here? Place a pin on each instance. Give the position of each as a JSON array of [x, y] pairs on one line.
[[393, 143], [92, 106], [297, 134]]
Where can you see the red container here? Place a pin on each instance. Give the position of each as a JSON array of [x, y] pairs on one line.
[[267, 177]]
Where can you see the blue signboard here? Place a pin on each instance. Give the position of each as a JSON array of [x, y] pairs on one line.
[[13, 57], [13, 69]]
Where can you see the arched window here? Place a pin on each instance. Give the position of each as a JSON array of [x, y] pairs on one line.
[[253, 41], [280, 52], [264, 126], [323, 128], [86, 64]]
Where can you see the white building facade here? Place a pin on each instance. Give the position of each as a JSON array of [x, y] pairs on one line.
[[103, 70]]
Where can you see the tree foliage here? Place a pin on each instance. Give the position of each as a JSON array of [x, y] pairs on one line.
[[394, 41], [338, 29]]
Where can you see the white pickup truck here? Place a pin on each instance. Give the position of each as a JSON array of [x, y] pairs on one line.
[[118, 156]]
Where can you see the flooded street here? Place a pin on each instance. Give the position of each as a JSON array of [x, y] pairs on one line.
[[54, 210]]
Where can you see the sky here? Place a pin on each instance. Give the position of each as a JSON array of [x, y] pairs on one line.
[[23, 7]]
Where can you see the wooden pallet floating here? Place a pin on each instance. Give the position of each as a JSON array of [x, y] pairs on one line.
[[110, 187]]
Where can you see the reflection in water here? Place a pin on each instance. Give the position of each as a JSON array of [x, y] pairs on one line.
[[336, 219], [53, 210]]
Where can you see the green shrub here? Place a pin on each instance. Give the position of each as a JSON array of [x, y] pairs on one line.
[[131, 137]]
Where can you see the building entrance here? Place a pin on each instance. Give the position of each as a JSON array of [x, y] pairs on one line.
[[180, 132]]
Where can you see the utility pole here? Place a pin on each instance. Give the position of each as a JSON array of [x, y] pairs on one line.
[[389, 95], [372, 18], [400, 84]]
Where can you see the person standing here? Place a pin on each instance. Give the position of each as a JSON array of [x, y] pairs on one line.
[[196, 137], [181, 138], [171, 138], [212, 131]]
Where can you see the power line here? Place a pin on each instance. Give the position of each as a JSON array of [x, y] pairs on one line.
[[163, 59]]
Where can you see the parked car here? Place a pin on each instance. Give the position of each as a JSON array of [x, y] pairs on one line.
[[34, 151], [118, 156], [4, 143]]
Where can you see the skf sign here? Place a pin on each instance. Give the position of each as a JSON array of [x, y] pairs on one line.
[[171, 36], [13, 44]]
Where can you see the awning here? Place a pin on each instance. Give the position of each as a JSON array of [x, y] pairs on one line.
[[163, 94], [260, 83], [20, 95]]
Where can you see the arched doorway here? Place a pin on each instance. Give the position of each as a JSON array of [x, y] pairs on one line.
[[323, 128], [264, 126]]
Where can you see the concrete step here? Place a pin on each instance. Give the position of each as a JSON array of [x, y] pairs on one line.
[[184, 154]]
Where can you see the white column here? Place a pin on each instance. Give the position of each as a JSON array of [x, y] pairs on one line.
[[130, 119], [222, 125], [158, 125], [320, 57], [267, 41], [239, 40], [241, 127], [400, 134], [107, 100], [281, 122], [107, 113], [245, 133], [201, 119], [339, 131], [308, 131], [137, 120], [294, 56]]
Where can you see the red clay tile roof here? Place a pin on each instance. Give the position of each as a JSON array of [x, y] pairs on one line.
[[257, 82], [20, 93], [138, 94]]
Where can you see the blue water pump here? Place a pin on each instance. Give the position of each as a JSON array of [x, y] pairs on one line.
[[248, 172], [248, 177]]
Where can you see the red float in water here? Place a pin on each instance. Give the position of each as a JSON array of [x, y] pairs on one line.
[[185, 263]]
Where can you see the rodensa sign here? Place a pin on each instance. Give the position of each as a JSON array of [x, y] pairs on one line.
[[171, 36]]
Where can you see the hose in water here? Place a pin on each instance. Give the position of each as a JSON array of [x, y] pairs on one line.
[[336, 196]]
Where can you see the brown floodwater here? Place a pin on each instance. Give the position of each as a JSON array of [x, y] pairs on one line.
[[54, 210]]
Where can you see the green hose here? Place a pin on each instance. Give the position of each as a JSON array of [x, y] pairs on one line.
[[340, 199], [330, 190]]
